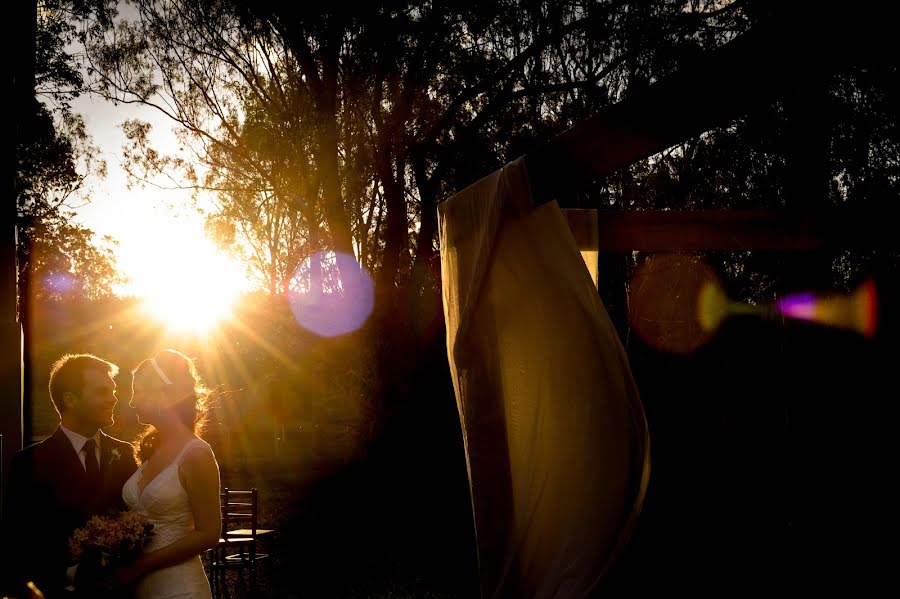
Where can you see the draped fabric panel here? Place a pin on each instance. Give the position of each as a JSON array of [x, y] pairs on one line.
[[555, 435]]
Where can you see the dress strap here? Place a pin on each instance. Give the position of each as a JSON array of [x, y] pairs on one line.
[[187, 446]]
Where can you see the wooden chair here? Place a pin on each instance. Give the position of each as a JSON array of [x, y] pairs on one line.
[[237, 544]]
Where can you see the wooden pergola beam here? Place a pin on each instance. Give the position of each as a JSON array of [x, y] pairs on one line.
[[730, 230]]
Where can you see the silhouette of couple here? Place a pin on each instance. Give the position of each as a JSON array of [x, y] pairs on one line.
[[169, 475]]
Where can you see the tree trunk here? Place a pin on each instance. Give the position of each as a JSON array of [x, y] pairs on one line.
[[333, 202], [395, 238], [427, 217], [328, 156]]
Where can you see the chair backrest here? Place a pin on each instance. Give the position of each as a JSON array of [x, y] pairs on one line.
[[239, 509]]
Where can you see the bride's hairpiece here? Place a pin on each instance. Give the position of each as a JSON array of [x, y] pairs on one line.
[[160, 372]]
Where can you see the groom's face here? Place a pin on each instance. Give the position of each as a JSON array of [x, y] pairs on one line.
[[94, 407]]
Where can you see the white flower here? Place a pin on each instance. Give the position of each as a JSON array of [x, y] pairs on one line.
[[115, 453]]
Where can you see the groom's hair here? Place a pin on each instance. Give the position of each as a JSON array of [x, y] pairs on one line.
[[67, 375]]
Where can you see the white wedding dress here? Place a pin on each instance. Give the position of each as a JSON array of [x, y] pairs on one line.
[[166, 504]]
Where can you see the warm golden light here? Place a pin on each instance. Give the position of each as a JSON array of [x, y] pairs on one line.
[[188, 287]]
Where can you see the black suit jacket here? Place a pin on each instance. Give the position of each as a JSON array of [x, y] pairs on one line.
[[48, 498]]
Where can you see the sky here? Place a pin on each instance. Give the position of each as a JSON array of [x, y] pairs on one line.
[[162, 249], [160, 232], [185, 282], [160, 235]]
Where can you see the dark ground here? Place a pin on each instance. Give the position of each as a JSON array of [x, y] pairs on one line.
[[773, 453], [344, 530]]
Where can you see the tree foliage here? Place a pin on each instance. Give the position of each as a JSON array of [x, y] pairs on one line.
[[320, 128], [55, 157], [359, 121]]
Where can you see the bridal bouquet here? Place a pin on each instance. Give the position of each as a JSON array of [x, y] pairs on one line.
[[106, 542]]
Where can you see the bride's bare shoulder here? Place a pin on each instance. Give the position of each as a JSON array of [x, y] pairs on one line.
[[200, 452]]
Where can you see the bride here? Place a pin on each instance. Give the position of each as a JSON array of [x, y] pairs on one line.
[[177, 484]]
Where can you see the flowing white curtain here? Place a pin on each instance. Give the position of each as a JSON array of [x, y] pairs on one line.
[[555, 436]]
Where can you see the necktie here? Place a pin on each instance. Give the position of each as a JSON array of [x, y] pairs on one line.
[[91, 467]]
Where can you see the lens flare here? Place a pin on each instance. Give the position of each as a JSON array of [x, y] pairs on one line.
[[677, 304], [331, 294], [713, 307], [856, 312], [62, 282], [664, 293]]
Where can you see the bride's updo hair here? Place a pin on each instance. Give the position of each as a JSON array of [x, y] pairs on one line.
[[185, 394]]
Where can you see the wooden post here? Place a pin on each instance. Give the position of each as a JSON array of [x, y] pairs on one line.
[[18, 84]]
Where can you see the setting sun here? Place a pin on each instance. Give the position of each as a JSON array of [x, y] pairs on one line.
[[188, 288]]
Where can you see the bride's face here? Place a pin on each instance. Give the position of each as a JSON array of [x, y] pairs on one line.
[[146, 398]]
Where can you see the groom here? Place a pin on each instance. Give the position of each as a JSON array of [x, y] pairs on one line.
[[56, 485]]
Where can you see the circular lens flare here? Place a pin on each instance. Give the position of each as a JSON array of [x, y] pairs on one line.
[[331, 294], [62, 282], [664, 296]]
